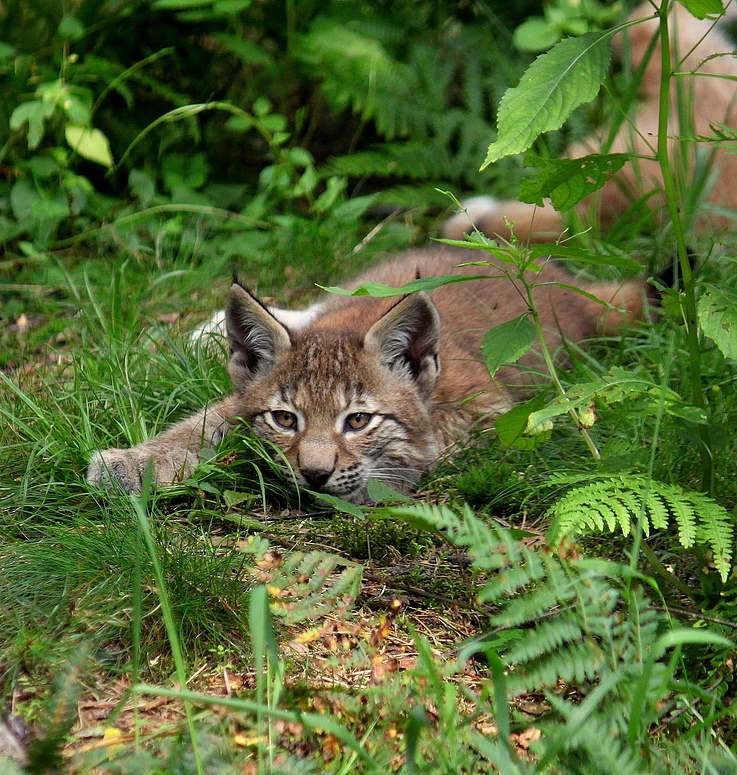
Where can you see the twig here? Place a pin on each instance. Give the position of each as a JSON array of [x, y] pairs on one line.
[[693, 615], [328, 514]]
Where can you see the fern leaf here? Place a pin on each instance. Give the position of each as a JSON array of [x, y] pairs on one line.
[[574, 663], [656, 510], [306, 586], [549, 636], [683, 511], [622, 501], [533, 604], [715, 529]]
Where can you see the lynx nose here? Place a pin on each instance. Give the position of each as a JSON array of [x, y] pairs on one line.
[[315, 477]]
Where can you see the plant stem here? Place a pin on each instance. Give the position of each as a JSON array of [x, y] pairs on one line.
[[549, 363], [688, 296], [663, 572]]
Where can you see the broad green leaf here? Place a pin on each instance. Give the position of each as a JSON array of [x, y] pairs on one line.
[[230, 7], [567, 181], [507, 342], [511, 425], [613, 387], [35, 113], [717, 310], [70, 27], [703, 8], [23, 196], [89, 143], [233, 498], [340, 505], [77, 109], [380, 291], [142, 184], [556, 83], [42, 167]]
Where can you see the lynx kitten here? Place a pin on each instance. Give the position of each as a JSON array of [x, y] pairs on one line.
[[359, 388]]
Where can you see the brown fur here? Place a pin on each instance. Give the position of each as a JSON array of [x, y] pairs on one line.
[[373, 357], [715, 101]]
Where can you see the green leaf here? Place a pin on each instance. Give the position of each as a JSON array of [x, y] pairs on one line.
[[535, 34], [77, 109], [381, 291], [35, 113], [556, 83], [507, 342], [567, 181], [340, 505], [23, 197], [380, 492], [89, 143], [142, 184], [247, 51], [703, 8], [717, 310], [511, 425], [545, 249]]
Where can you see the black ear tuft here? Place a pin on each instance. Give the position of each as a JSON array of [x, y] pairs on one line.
[[254, 334], [407, 338]]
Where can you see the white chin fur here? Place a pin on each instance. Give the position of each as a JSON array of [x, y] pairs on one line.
[[474, 209], [293, 319]]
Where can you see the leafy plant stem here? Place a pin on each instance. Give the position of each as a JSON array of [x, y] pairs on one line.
[[549, 363], [688, 303]]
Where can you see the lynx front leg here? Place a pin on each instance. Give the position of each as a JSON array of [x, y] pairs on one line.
[[174, 453]]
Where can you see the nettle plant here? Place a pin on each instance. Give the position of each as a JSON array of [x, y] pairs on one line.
[[557, 82]]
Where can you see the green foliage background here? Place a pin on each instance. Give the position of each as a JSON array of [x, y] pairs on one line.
[[404, 91]]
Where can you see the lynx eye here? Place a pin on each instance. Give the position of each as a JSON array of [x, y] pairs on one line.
[[357, 421], [284, 419]]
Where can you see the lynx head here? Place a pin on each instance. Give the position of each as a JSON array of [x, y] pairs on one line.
[[340, 407]]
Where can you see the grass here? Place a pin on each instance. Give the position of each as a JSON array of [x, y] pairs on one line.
[[140, 609]]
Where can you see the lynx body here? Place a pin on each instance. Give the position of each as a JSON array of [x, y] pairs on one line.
[[356, 388]]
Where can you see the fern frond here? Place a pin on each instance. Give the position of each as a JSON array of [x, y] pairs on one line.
[[601, 747], [306, 586], [488, 547], [575, 663], [715, 529], [624, 501], [549, 637]]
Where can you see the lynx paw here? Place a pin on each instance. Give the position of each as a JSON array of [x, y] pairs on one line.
[[125, 469], [117, 468]]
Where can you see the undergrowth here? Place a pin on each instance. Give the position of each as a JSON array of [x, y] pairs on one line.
[[472, 631]]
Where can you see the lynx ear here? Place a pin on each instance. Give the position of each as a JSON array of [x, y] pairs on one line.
[[254, 334], [407, 338]]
